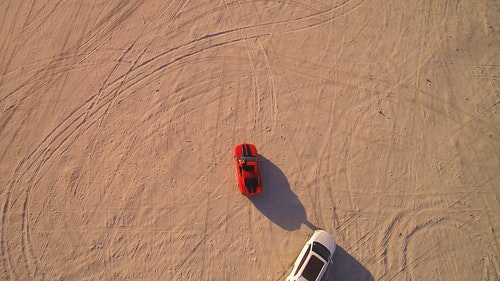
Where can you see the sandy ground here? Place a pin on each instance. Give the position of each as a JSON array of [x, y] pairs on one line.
[[375, 120]]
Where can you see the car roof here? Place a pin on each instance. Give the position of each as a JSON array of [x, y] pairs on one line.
[[312, 268]]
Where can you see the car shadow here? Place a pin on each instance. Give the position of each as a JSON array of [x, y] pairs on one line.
[[347, 268], [277, 201]]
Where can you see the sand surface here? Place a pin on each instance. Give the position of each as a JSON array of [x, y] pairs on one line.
[[375, 120]]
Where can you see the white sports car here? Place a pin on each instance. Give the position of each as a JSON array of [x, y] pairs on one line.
[[314, 259]]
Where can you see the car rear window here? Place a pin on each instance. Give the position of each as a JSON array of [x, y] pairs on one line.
[[313, 268], [251, 182]]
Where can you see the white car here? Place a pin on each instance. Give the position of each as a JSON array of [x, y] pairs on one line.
[[314, 259]]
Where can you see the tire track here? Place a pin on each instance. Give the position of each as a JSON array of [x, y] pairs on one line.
[[398, 216], [405, 93], [323, 17], [243, 34], [107, 26], [9, 54], [207, 234], [399, 223], [253, 74], [270, 78], [82, 49], [408, 95], [419, 227], [6, 257], [91, 104], [37, 15], [42, 154], [272, 91], [103, 103], [326, 151]]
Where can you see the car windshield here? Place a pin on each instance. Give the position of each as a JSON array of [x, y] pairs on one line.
[[313, 268], [321, 250], [248, 158]]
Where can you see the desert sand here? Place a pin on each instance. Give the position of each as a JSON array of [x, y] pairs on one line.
[[375, 120]]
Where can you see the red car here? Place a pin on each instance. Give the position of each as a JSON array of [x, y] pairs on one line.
[[247, 169]]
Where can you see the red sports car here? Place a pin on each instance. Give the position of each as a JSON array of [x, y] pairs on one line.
[[247, 169]]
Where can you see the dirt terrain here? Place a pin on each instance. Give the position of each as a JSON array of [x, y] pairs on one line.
[[375, 120]]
